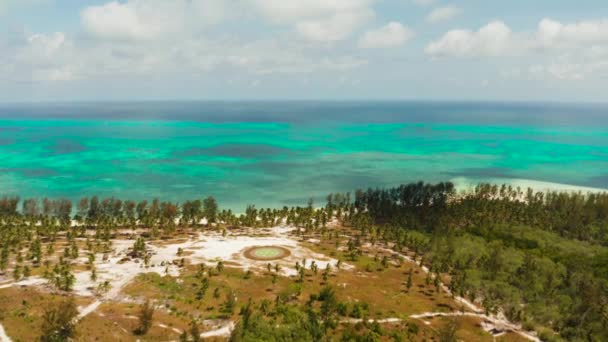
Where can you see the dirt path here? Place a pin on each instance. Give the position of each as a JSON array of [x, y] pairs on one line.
[[381, 321]]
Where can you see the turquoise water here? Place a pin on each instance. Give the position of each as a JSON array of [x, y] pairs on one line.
[[283, 153]]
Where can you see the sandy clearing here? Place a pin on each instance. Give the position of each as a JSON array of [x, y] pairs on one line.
[[208, 248], [213, 247]]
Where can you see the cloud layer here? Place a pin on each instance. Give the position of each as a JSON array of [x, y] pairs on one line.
[[254, 40]]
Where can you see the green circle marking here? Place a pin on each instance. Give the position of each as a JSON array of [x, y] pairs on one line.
[[267, 253]]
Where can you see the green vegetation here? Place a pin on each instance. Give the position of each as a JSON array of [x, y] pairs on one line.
[[58, 323], [146, 314], [539, 258]]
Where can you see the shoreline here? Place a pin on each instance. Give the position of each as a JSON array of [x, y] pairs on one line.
[[467, 184]]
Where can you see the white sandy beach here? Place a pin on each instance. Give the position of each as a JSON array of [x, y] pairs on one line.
[[464, 184]]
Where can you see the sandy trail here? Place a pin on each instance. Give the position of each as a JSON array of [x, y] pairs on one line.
[[164, 326], [381, 321], [3, 336], [496, 323]]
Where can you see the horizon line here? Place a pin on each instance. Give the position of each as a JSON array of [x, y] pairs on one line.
[[310, 100]]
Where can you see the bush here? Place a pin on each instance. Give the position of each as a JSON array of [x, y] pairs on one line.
[[146, 315], [58, 321]]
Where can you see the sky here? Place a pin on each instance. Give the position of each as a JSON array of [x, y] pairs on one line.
[[467, 50]]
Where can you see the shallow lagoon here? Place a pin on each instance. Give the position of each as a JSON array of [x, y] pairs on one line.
[[282, 153]]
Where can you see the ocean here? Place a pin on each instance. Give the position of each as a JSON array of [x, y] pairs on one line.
[[283, 153]]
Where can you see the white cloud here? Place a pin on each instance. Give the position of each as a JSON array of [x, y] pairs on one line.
[[552, 33], [159, 38], [336, 27], [57, 57], [443, 13], [493, 39], [293, 10], [389, 35], [120, 21], [497, 39], [138, 20], [318, 20], [38, 57], [555, 50]]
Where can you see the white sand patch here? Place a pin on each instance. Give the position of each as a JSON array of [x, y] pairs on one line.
[[209, 248], [214, 247], [31, 281], [3, 336], [223, 331], [118, 271], [164, 326]]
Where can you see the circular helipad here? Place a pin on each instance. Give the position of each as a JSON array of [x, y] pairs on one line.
[[267, 253]]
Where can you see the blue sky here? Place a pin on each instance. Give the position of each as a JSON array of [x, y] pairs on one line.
[[71, 50]]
